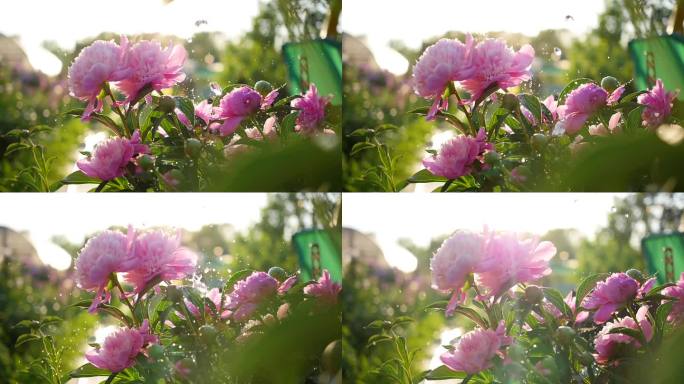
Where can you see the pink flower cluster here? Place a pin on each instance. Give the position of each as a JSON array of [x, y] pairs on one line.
[[457, 156], [111, 157], [151, 256], [475, 350], [476, 66], [250, 293], [325, 288], [614, 293], [498, 261], [214, 295], [130, 68], [677, 292], [120, 349], [608, 345], [658, 105], [311, 108], [240, 103]]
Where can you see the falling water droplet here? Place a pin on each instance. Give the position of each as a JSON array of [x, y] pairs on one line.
[[200, 22], [557, 51], [215, 88]]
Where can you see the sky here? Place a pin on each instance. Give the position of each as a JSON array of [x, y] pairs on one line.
[[422, 217], [412, 22], [68, 21], [77, 215]]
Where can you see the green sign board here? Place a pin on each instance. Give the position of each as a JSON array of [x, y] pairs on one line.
[[664, 256], [318, 62], [317, 251], [660, 57]]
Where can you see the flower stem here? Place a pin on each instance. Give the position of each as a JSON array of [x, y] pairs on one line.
[[124, 298], [472, 129], [116, 109]]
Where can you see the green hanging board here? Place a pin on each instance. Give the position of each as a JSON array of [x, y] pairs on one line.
[[660, 57], [318, 62], [317, 251], [664, 256]]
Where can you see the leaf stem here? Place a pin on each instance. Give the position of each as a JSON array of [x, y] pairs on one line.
[[124, 298]]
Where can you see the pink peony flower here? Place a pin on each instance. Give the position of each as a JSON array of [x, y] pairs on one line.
[[658, 102], [287, 284], [160, 256], [509, 260], [97, 64], [440, 64], [215, 296], [183, 119], [677, 313], [610, 295], [580, 104], [613, 123], [456, 156], [496, 63], [110, 157], [120, 349], [269, 130], [102, 255], [249, 293], [475, 350], [453, 262], [615, 95], [608, 345], [151, 65], [206, 111], [552, 105], [598, 130], [235, 106], [325, 289], [311, 108]]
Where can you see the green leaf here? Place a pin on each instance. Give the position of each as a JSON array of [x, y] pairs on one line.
[[145, 117], [586, 286], [555, 298], [287, 126], [629, 332], [444, 373], [633, 121], [385, 128], [187, 107], [74, 112], [79, 177], [375, 339], [27, 324], [571, 87], [14, 147], [425, 176], [362, 132], [662, 312], [402, 320], [472, 315], [358, 147], [88, 370], [107, 121], [47, 320], [378, 324], [234, 278], [25, 338], [532, 104]]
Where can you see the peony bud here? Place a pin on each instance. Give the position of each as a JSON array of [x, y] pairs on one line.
[[193, 147], [173, 294], [565, 335], [636, 275], [166, 104], [533, 294], [510, 102], [146, 162], [609, 83], [207, 334], [492, 158], [263, 87], [332, 357], [156, 351], [277, 273], [539, 141]]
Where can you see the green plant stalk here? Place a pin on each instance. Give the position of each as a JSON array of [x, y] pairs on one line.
[[125, 299], [471, 129], [116, 109]]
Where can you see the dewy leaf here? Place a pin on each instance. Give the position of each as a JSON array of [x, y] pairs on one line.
[[444, 373], [234, 278], [532, 104], [571, 87], [79, 177], [25, 338], [425, 176], [358, 147], [88, 370], [287, 126], [555, 298], [586, 286], [185, 105]]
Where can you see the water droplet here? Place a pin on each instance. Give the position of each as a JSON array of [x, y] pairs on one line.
[[200, 22], [215, 88], [557, 51]]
